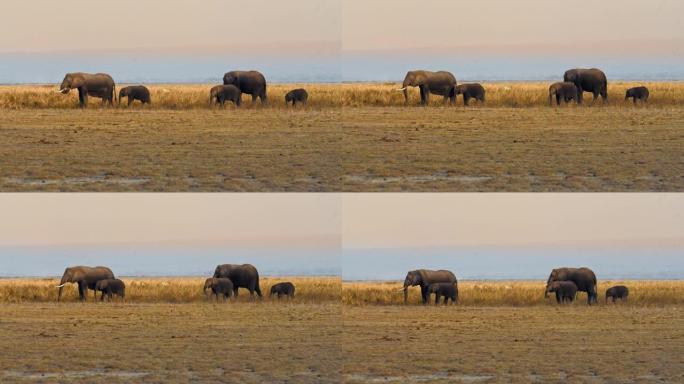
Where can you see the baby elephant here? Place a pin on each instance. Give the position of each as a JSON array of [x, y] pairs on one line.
[[617, 292], [136, 92], [296, 96], [223, 93], [566, 291], [637, 94], [285, 288], [111, 287], [220, 285], [562, 91], [448, 290], [470, 91]]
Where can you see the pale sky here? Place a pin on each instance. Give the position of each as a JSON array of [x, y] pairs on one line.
[[49, 25], [536, 219], [237, 220], [409, 24]]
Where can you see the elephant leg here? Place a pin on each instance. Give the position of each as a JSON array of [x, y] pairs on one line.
[[130, 101], [466, 100], [558, 298], [82, 98], [235, 291], [423, 294], [254, 97], [558, 99]]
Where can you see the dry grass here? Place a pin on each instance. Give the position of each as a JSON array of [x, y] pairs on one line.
[[457, 344], [170, 343], [512, 293], [169, 290], [194, 96]]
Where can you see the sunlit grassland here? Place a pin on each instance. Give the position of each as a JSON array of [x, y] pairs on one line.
[[512, 293]]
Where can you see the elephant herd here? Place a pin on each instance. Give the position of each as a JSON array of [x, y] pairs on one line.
[[235, 83], [564, 282], [575, 83], [226, 281]]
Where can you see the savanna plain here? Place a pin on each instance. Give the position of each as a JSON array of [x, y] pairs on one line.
[[167, 331], [350, 137], [352, 332]]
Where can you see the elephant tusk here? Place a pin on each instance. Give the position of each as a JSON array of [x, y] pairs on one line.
[[401, 89], [60, 286]]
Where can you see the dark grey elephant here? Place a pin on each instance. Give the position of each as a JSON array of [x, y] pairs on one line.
[[446, 290], [617, 292], [637, 94], [85, 277], [584, 279], [296, 96], [223, 93], [588, 80], [470, 91], [564, 91], [566, 291], [425, 277], [280, 289], [439, 83], [111, 287], [135, 92], [242, 276], [99, 85], [250, 82], [219, 286]]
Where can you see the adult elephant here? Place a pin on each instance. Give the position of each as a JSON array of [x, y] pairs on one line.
[[584, 279], [425, 277], [439, 83], [96, 85], [242, 276], [588, 80], [249, 82], [85, 277]]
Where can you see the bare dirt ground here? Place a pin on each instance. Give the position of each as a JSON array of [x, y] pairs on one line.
[[170, 343], [456, 344]]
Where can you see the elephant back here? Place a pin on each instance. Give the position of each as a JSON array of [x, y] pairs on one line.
[[439, 276]]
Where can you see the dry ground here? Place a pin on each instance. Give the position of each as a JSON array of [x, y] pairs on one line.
[[170, 343], [351, 137], [459, 344]]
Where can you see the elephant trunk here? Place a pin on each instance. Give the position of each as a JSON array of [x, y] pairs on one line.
[[406, 292], [405, 90]]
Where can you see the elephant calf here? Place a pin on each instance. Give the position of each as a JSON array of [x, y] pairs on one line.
[[223, 93], [470, 91], [135, 92], [111, 287], [219, 285], [566, 291], [637, 94], [565, 91], [296, 96], [285, 288], [617, 292], [447, 290]]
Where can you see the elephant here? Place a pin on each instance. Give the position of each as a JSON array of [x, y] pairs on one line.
[[250, 82], [637, 94], [617, 292], [135, 92], [99, 85], [425, 277], [225, 92], [109, 287], [296, 96], [440, 83], [470, 91], [565, 91], [218, 286], [446, 290], [588, 80], [584, 279], [285, 288], [242, 276], [85, 277], [566, 291]]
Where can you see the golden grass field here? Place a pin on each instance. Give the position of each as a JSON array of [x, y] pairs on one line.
[[350, 137], [168, 290], [512, 293]]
